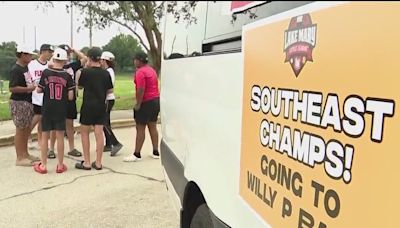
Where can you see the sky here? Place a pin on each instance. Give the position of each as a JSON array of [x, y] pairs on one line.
[[53, 26]]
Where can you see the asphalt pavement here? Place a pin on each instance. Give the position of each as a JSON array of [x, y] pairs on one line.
[[120, 195]]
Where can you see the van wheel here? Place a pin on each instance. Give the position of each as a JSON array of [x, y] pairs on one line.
[[202, 218]]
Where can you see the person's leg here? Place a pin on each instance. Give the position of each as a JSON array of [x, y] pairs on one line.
[[107, 124], [35, 121], [19, 144], [85, 144], [53, 140], [98, 133], [140, 137], [60, 147], [70, 133], [44, 148], [153, 134], [22, 114], [27, 135], [51, 154], [39, 131]]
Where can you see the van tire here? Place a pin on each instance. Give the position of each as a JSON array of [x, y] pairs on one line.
[[202, 218]]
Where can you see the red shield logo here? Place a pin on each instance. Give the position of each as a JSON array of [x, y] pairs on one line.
[[300, 40]]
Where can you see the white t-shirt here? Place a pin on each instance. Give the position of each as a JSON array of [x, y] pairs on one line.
[[35, 70], [111, 96]]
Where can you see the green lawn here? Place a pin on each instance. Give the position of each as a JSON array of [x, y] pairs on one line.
[[124, 92], [4, 108]]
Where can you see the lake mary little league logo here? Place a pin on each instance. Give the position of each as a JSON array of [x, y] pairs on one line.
[[300, 40]]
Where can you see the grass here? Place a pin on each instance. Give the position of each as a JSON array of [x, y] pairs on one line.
[[124, 92], [4, 107]]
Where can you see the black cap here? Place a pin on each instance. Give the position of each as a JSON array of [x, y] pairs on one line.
[[141, 56], [46, 47], [65, 47], [94, 53]]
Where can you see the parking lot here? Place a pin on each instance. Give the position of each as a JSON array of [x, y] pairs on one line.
[[120, 195]]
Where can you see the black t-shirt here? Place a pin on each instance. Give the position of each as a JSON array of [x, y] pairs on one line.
[[95, 81], [72, 68], [19, 76], [55, 84]]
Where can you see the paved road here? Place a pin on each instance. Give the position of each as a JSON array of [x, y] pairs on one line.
[[121, 195]]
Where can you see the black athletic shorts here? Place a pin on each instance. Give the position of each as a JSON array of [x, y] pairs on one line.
[[93, 115], [37, 109], [49, 124], [72, 113], [148, 112]]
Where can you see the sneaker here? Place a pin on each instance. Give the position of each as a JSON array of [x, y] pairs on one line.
[[107, 148], [132, 158], [156, 155], [116, 149], [51, 154]]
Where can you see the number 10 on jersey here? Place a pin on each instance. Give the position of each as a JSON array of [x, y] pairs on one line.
[[55, 91]]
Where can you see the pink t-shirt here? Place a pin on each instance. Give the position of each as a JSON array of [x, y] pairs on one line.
[[146, 78]]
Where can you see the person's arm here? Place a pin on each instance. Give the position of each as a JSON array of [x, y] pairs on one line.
[[71, 88], [21, 89], [39, 90], [80, 80], [140, 85], [71, 95], [14, 84], [77, 77], [82, 57], [42, 84]]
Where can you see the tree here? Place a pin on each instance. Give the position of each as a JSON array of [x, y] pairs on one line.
[[7, 58], [85, 50], [123, 47], [133, 14]]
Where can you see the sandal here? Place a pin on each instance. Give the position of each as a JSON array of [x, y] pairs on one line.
[[81, 166], [51, 154], [94, 166], [25, 162], [39, 168], [62, 169], [75, 153]]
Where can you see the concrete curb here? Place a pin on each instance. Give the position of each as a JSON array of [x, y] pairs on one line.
[[8, 140]]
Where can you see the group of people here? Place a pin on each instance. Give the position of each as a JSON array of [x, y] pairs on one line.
[[44, 92]]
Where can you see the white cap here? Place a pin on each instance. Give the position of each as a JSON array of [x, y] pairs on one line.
[[24, 49], [107, 56], [60, 54]]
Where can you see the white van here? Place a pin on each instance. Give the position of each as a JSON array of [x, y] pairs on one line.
[[282, 114]]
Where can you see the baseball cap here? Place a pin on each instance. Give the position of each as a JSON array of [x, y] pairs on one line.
[[107, 56], [141, 56], [46, 47], [66, 48], [94, 53], [25, 49], [60, 54]]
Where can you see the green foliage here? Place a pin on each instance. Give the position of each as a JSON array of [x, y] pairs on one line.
[[124, 92], [123, 47], [85, 50], [7, 58]]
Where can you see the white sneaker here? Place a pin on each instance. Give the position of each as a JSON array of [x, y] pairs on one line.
[[131, 158], [155, 156]]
